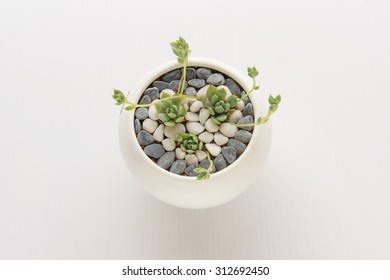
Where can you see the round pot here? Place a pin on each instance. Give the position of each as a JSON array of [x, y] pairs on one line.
[[187, 192]]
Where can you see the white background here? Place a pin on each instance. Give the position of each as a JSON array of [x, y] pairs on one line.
[[65, 192]]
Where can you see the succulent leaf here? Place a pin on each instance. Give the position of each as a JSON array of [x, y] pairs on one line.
[[170, 123], [221, 93], [211, 90], [170, 111], [222, 117], [215, 120], [163, 117], [119, 97], [218, 104], [157, 106], [219, 109], [232, 100], [189, 143], [202, 173], [181, 49], [252, 72], [206, 102], [164, 95], [214, 99]]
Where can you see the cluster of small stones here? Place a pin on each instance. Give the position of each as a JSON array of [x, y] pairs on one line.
[[225, 142]]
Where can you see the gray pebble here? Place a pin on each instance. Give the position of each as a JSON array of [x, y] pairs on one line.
[[145, 138], [166, 160], [160, 85], [190, 91], [205, 164], [154, 150], [246, 99], [246, 120], [190, 74], [152, 93], [141, 113], [174, 85], [229, 153], [178, 166], [243, 136], [190, 170], [145, 100], [248, 110], [203, 73], [137, 126], [233, 86], [197, 83], [220, 162], [237, 145], [171, 76], [216, 79]]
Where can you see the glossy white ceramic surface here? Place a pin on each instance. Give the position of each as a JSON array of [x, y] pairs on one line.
[[187, 192]]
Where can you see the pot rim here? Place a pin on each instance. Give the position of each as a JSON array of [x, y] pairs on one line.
[[146, 80]]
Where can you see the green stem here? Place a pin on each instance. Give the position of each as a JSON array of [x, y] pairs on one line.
[[183, 81], [161, 100], [249, 92], [180, 84], [243, 125], [265, 119], [262, 121], [210, 169]]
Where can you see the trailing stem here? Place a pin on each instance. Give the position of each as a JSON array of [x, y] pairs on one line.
[[202, 172], [274, 104]]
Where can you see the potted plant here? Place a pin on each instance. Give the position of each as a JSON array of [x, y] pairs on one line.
[[192, 131]]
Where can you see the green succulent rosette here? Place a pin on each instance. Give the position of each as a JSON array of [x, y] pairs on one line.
[[171, 111], [189, 143], [218, 105]]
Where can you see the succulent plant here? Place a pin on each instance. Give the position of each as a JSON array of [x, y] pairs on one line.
[[189, 143], [181, 49], [218, 105], [204, 173], [171, 111]]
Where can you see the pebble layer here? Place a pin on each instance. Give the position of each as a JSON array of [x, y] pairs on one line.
[[224, 142]]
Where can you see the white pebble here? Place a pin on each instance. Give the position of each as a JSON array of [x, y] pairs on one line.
[[169, 144], [204, 114], [153, 114], [191, 159], [158, 135], [220, 139], [211, 126], [194, 127], [213, 149], [235, 116], [206, 137], [167, 90], [228, 92], [240, 105], [202, 92], [180, 154], [186, 106], [200, 155], [192, 117], [228, 129], [196, 106], [172, 131], [149, 125], [189, 101]]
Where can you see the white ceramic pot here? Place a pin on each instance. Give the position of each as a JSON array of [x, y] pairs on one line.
[[187, 192]]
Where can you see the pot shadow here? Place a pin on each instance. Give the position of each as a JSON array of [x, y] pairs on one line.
[[235, 230]]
